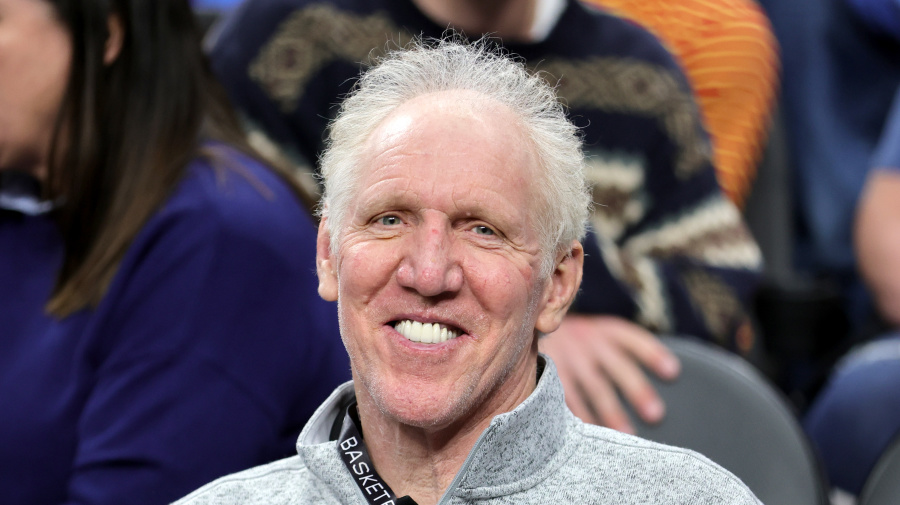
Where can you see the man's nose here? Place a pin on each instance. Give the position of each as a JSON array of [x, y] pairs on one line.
[[430, 266]]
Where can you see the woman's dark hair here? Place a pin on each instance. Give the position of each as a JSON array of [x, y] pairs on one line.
[[125, 132]]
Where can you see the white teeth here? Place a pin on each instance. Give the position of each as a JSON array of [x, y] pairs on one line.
[[426, 333]]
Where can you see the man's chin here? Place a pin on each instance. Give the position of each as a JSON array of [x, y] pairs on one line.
[[414, 412], [413, 406]]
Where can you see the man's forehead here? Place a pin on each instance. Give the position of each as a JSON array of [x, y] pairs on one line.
[[460, 144], [468, 127], [472, 106]]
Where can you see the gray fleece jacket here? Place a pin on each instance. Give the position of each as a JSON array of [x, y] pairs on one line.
[[539, 453]]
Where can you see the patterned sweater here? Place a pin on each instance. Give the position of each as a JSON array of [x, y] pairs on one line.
[[536, 454], [667, 250], [730, 57]]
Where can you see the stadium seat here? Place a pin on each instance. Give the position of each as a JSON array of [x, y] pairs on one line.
[[882, 487], [724, 408]]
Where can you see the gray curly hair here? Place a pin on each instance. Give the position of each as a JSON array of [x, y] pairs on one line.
[[448, 64]]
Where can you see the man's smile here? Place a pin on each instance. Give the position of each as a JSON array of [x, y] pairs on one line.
[[426, 333]]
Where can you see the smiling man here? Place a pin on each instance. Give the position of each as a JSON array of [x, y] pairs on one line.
[[454, 206]]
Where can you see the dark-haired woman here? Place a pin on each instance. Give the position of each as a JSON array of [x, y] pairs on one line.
[[159, 324]]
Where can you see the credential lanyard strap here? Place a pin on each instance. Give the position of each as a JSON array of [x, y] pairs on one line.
[[356, 458]]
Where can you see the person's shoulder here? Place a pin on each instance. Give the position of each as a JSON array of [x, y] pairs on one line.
[[257, 22], [679, 474], [226, 192], [263, 10], [259, 14], [283, 482]]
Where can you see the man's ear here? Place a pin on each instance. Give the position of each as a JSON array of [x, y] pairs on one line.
[[114, 40], [325, 264], [561, 288]]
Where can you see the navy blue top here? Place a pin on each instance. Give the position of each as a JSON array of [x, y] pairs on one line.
[[206, 356]]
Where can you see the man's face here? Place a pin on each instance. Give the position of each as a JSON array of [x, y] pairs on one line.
[[440, 240]]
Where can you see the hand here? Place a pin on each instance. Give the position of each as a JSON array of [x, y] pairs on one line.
[[596, 355]]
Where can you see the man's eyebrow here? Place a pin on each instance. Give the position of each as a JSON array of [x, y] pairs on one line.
[[381, 201]]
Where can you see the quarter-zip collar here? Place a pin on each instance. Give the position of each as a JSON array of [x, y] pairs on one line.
[[517, 450]]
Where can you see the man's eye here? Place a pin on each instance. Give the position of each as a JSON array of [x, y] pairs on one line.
[[483, 230], [389, 220]]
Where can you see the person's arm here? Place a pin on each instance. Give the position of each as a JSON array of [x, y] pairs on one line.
[[876, 233], [670, 255], [212, 347], [877, 240], [601, 354], [689, 267]]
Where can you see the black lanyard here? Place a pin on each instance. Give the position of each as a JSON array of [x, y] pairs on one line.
[[355, 456]]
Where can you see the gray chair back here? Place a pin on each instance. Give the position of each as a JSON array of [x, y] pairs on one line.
[[882, 487], [723, 408]]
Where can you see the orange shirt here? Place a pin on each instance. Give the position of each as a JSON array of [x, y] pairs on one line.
[[730, 56]]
